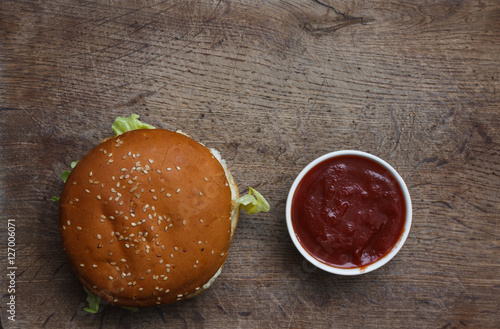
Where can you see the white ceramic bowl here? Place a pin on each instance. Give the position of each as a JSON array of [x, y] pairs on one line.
[[356, 270]]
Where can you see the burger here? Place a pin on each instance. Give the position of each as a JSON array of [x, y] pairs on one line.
[[147, 216]]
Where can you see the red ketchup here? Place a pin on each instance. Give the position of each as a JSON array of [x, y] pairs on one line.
[[348, 211]]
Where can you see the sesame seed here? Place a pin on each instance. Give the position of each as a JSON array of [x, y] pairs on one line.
[[133, 224], [78, 228], [90, 174], [158, 171], [82, 265], [110, 155], [98, 197], [178, 191], [195, 266], [184, 222], [150, 161], [110, 277], [87, 191], [168, 169], [206, 179], [171, 255], [176, 248], [148, 271], [98, 236], [141, 289], [94, 266], [123, 260], [199, 242], [124, 157], [201, 220], [122, 289], [201, 193], [68, 222], [64, 227], [168, 195], [127, 245], [177, 167]]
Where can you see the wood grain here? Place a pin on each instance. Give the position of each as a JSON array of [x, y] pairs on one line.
[[271, 85]]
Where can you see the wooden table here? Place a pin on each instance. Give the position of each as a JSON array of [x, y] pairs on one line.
[[272, 85]]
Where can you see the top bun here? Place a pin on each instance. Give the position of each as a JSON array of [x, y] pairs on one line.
[[146, 217]]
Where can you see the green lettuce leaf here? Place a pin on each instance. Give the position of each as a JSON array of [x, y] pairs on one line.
[[122, 125], [253, 202], [65, 173], [130, 308], [93, 301]]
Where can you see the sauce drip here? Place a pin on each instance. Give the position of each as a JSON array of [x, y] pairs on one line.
[[348, 211]]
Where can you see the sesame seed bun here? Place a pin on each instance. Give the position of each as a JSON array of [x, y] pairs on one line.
[[146, 218]]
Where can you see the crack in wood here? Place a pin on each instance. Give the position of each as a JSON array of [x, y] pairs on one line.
[[335, 25]]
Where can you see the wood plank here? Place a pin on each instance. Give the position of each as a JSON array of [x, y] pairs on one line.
[[271, 85]]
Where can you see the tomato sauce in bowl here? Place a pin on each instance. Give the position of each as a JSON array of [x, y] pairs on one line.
[[349, 211]]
